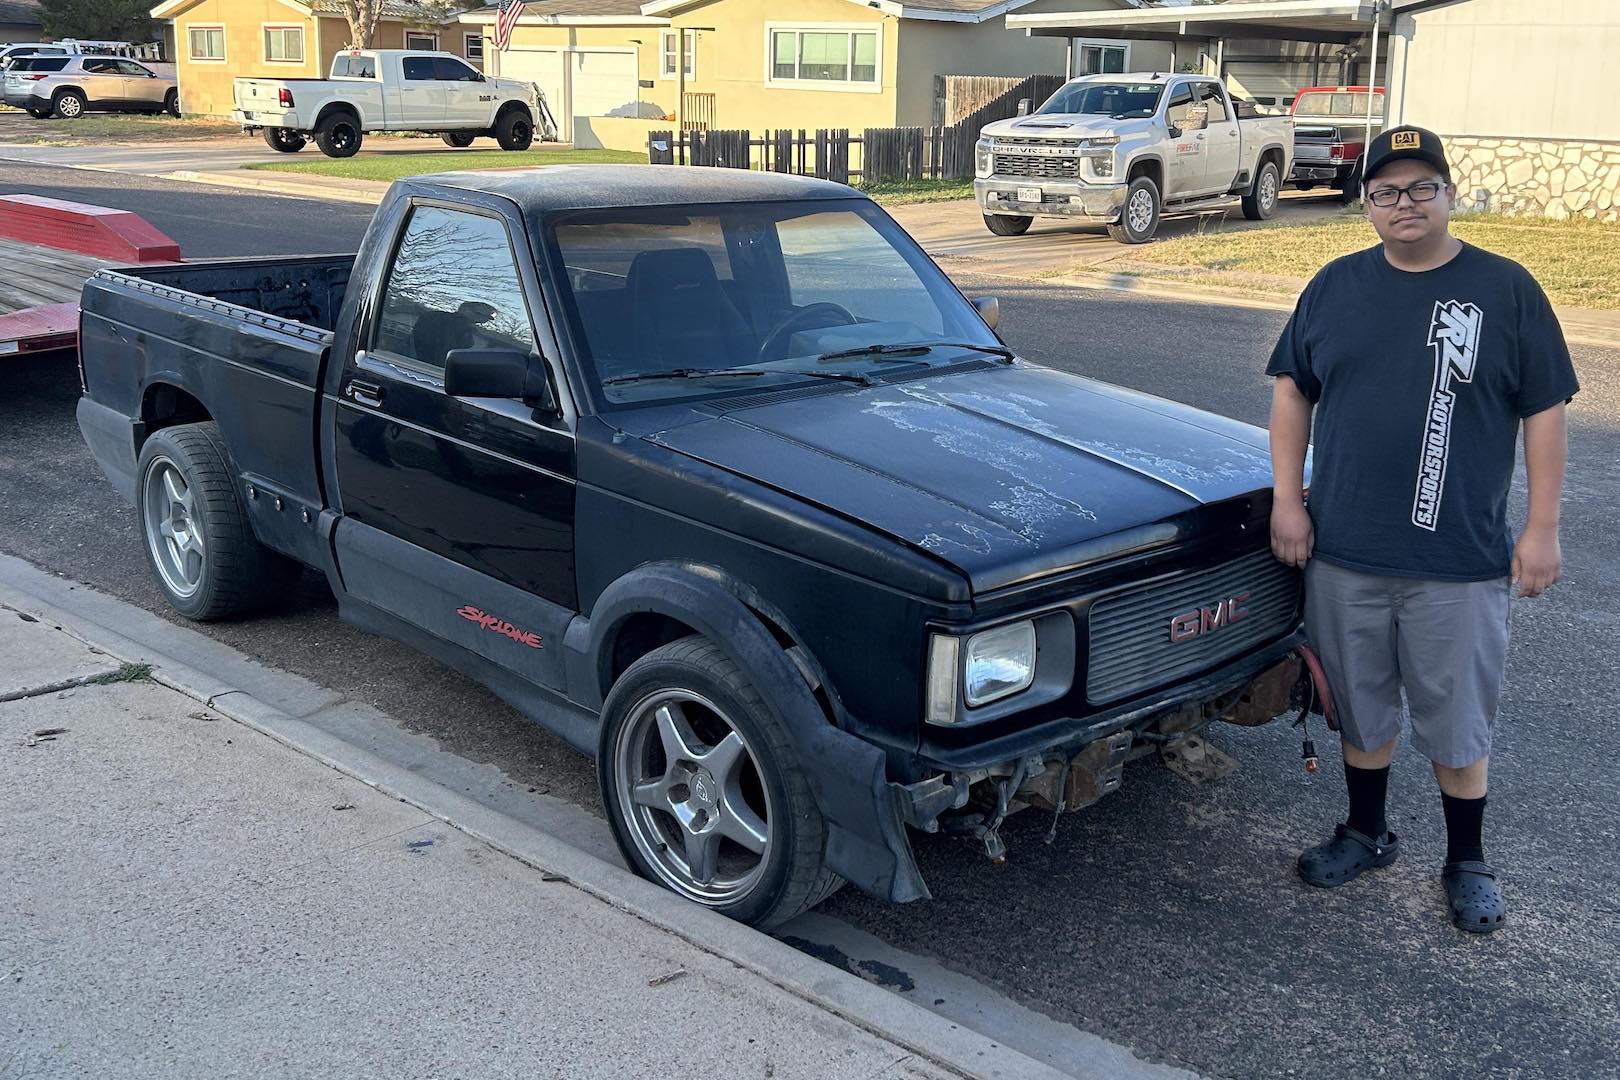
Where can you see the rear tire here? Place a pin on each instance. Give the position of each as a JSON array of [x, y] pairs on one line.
[[1261, 202], [284, 141], [514, 130], [171, 103], [1350, 186], [339, 135], [39, 114], [1139, 217], [1007, 224], [458, 139], [194, 529], [712, 704], [69, 105]]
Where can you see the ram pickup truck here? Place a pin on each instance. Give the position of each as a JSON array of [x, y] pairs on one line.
[[1330, 135], [1122, 150], [716, 475], [392, 90]]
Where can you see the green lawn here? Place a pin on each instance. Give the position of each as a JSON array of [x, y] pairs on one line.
[[388, 167], [898, 192], [1577, 260]]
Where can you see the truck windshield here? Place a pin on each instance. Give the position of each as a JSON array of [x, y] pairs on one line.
[[1336, 103], [1121, 100], [659, 296]]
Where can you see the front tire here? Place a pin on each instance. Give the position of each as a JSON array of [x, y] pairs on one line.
[[284, 141], [702, 790], [514, 130], [339, 135], [1139, 217], [458, 139], [69, 105], [39, 114], [1261, 201], [171, 103], [195, 531], [1007, 224]]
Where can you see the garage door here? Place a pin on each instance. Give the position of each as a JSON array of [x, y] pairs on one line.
[[604, 83], [545, 69]]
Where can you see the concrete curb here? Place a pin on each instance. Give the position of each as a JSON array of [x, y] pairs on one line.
[[948, 1045], [255, 180]]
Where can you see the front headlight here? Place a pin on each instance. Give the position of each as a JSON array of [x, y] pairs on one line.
[[984, 158], [997, 663]]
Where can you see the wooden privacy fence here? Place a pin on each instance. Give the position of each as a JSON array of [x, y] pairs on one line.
[[883, 154]]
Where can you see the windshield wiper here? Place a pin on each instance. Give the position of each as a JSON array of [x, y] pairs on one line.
[[912, 349], [705, 373]]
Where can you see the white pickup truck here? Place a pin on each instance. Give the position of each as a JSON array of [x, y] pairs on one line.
[[1122, 150], [392, 90]]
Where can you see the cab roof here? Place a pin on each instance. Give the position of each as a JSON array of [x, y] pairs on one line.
[[550, 188]]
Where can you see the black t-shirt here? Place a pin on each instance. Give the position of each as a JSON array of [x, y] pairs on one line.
[[1419, 382]]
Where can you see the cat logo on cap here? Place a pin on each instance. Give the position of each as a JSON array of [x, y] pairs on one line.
[[1404, 140]]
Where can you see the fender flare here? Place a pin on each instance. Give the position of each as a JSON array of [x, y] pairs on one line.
[[336, 107], [866, 838]]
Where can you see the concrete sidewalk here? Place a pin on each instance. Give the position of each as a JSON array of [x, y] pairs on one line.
[[187, 896]]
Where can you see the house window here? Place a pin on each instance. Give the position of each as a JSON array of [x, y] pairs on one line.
[[666, 52], [206, 42], [824, 56], [414, 40], [474, 48], [284, 44], [1101, 58]]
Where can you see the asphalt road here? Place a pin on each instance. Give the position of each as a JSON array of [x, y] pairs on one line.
[[1167, 917]]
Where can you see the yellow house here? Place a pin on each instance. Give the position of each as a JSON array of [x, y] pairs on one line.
[[218, 40], [612, 70]]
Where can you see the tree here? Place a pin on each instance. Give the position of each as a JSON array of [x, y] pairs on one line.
[[364, 15], [97, 20]]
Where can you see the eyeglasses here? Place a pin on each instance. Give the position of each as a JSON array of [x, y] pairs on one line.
[[1422, 191]]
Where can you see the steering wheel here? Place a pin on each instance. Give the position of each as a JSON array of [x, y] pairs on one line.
[[777, 338]]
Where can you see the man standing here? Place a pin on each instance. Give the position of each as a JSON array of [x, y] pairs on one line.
[[1418, 359]]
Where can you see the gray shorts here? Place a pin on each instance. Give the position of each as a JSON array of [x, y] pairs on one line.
[[1443, 642]]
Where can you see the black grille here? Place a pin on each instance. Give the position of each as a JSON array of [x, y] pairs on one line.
[[1131, 647], [1048, 168]]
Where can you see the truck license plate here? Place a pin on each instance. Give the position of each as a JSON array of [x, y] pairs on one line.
[[1029, 194]]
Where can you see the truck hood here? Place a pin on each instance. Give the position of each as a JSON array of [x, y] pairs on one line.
[[1061, 126], [1006, 474]]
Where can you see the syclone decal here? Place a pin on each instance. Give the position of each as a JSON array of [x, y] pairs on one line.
[[497, 625]]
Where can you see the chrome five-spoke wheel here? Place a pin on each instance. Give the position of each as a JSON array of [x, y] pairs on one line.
[[692, 797], [173, 528]]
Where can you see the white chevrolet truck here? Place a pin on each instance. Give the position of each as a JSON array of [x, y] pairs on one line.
[[392, 90], [1123, 150]]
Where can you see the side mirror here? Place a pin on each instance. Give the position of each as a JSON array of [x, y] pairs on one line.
[[478, 76], [1023, 106], [498, 373], [1197, 118], [989, 309]]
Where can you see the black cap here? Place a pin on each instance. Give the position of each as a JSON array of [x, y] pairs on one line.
[[1401, 143]]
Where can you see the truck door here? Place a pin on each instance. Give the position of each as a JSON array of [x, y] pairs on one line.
[[458, 513], [468, 103], [421, 96], [1223, 156], [1184, 173]]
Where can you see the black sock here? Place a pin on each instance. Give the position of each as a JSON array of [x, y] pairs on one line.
[[1465, 822], [1367, 788]]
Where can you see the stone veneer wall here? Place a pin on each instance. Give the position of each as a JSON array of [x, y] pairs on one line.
[[1551, 178]]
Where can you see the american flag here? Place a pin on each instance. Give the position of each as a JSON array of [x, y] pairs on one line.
[[506, 17]]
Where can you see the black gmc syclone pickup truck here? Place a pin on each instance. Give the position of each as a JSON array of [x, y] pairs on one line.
[[719, 477]]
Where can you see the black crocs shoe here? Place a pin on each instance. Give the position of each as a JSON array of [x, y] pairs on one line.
[[1476, 903], [1343, 858]]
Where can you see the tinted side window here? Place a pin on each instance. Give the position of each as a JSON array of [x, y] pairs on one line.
[[129, 67], [41, 64], [99, 67], [1210, 94], [1180, 103], [453, 285], [453, 70], [419, 69]]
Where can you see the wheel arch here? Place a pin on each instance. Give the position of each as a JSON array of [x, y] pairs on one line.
[[866, 840], [1149, 165], [166, 403], [333, 108], [1273, 153]]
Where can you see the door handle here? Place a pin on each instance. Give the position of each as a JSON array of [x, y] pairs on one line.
[[369, 394], [1201, 135]]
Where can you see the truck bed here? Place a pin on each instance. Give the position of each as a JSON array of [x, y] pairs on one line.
[[250, 335]]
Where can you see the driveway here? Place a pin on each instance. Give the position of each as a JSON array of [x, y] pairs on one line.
[[955, 230]]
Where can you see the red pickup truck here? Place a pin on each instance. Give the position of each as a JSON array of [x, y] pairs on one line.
[[1330, 132]]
